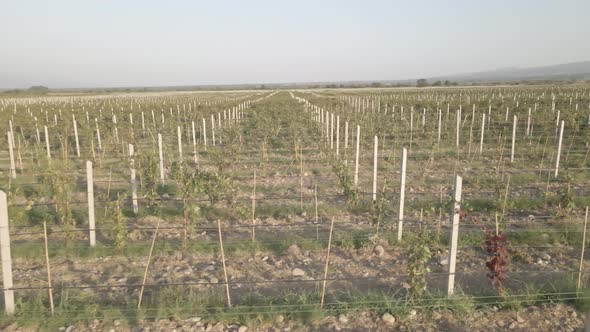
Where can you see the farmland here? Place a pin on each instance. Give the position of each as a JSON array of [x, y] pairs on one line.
[[338, 208]]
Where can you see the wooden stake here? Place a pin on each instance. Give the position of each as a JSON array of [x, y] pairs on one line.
[[497, 225], [505, 197], [50, 287], [583, 248], [147, 265], [223, 263], [327, 263]]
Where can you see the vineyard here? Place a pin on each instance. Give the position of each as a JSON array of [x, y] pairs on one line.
[[389, 208]]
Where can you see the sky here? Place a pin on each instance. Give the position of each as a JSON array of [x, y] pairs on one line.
[[118, 43]]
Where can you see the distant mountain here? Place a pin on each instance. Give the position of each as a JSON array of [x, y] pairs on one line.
[[565, 71]]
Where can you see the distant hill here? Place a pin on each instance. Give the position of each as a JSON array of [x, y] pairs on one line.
[[34, 90], [574, 71], [38, 89], [565, 71]]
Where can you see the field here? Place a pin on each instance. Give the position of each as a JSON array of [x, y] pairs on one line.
[[455, 208]]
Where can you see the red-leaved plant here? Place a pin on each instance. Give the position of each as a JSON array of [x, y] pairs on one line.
[[495, 245]]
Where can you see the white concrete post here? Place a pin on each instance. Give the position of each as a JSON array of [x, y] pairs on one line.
[[161, 155], [20, 159], [76, 135], [331, 130], [346, 133], [528, 123], [98, 135], [179, 134], [327, 129], [402, 195], [39, 135], [219, 127], [116, 129], [439, 124], [454, 233], [11, 133], [356, 163], [6, 256], [90, 190], [117, 135], [557, 124], [194, 142], [458, 126], [513, 139], [133, 181], [559, 148], [204, 133], [483, 126], [411, 126], [47, 143], [375, 153], [11, 155], [338, 135], [213, 129]]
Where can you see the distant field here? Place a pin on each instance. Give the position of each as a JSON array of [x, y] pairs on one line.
[[267, 173]]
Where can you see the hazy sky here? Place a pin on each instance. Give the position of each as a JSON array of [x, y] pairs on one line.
[[87, 43]]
